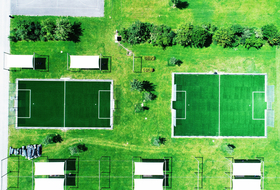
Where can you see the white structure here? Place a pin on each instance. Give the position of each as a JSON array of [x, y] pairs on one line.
[[246, 184], [49, 183], [18, 61], [148, 168], [49, 168], [148, 184], [249, 169], [84, 62]]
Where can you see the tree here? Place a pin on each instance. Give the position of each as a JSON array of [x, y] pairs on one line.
[[199, 36], [139, 108], [253, 42], [173, 61], [148, 96], [137, 33], [175, 2], [184, 34], [77, 148], [271, 34], [224, 37], [162, 36], [136, 85], [237, 29], [47, 30], [63, 29]]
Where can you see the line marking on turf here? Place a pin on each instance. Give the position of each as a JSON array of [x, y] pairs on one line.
[[219, 124], [99, 104], [185, 104], [29, 103], [253, 105], [64, 103]]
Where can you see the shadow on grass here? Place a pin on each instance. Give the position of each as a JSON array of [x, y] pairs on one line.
[[182, 4], [77, 32], [148, 86]]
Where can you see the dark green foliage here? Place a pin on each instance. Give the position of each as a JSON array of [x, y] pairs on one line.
[[138, 108], [63, 29], [157, 141], [224, 37], [34, 31], [47, 30], [149, 58], [253, 41], [184, 34], [175, 2], [271, 34], [148, 96], [162, 36], [136, 85], [195, 36], [52, 138], [77, 148], [26, 30], [237, 29], [137, 33]]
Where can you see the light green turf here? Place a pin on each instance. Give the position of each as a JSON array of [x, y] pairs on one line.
[[132, 133]]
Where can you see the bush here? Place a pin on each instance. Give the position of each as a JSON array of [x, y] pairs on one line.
[[137, 33], [162, 36], [47, 30], [148, 96], [52, 138], [77, 148], [136, 85], [224, 37], [149, 58], [147, 70], [63, 29], [138, 108]]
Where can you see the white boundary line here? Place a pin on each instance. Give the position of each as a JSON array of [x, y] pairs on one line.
[[261, 92], [64, 115], [63, 128], [29, 103], [99, 104], [185, 104], [216, 137]]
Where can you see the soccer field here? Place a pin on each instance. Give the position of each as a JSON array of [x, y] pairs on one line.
[[219, 105], [64, 103]]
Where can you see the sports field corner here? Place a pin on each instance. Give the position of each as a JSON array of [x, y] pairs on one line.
[[219, 105]]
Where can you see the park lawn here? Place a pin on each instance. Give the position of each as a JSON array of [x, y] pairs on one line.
[[132, 133]]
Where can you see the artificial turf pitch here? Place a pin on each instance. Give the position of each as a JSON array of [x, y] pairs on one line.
[[219, 105], [60, 103]]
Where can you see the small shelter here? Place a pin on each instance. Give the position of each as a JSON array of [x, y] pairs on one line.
[[148, 184], [49, 183], [49, 168], [148, 168], [18, 61], [246, 184], [84, 62]]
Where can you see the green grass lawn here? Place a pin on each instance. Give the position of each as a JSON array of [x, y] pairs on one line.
[[132, 132]]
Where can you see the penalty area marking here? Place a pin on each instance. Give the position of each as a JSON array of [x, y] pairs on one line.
[[29, 90], [185, 104], [99, 104], [253, 105]]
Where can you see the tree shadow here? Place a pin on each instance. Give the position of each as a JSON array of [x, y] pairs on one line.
[[57, 138], [82, 147], [231, 146], [179, 63], [162, 140], [148, 86], [77, 31], [145, 108], [154, 96], [182, 4], [208, 41]]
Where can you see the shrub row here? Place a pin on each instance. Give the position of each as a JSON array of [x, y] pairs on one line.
[[201, 36], [46, 30]]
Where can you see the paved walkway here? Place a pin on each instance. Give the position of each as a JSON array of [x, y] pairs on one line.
[[4, 87], [88, 8]]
